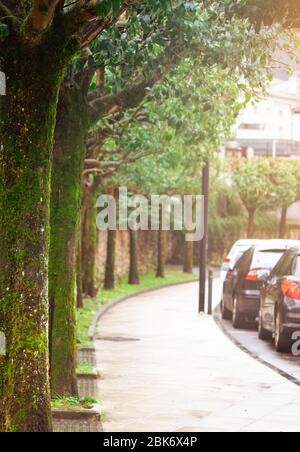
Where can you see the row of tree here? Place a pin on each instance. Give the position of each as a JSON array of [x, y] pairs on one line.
[[68, 66], [247, 198], [266, 184]]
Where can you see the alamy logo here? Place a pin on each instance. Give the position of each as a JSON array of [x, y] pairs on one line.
[[137, 212], [2, 84], [2, 344], [296, 345]]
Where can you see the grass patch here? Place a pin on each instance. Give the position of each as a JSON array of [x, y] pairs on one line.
[[85, 315], [84, 367], [73, 403]]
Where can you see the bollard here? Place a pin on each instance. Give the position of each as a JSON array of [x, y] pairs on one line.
[[210, 290]]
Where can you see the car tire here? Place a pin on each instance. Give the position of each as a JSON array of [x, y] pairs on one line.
[[238, 319], [282, 344], [226, 314], [263, 334]]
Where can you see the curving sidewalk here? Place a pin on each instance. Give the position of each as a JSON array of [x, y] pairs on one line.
[[165, 369]]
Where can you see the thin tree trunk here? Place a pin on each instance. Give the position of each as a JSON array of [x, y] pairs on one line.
[[188, 257], [89, 236], [27, 120], [161, 252], [251, 223], [282, 226], [109, 282], [66, 198], [134, 270], [79, 287]]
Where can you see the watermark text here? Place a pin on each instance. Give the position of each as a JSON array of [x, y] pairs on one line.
[[158, 212]]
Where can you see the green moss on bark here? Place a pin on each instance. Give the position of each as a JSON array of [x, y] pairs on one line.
[[89, 236], [27, 120], [68, 161]]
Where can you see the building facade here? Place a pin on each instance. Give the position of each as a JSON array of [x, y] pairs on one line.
[[271, 128]]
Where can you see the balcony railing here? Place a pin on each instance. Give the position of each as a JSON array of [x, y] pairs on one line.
[[267, 148]]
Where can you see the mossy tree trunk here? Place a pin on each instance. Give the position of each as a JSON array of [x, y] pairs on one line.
[[89, 236], [68, 162], [109, 281], [27, 120], [188, 257], [134, 277], [282, 225]]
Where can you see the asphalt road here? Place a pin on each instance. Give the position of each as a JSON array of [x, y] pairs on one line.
[[247, 339]]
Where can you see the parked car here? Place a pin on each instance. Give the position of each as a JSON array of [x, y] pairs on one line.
[[279, 315], [242, 285], [235, 253]]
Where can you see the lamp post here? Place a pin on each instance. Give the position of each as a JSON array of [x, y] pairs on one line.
[[204, 241]]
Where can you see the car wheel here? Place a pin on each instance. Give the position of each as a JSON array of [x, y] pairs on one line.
[[282, 344], [238, 319], [263, 334], [226, 314]]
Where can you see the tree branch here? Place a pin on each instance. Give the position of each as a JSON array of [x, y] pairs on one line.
[[132, 95], [39, 20], [82, 18], [9, 14], [99, 26]]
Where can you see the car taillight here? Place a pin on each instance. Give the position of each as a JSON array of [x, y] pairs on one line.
[[290, 289], [253, 275], [227, 260]]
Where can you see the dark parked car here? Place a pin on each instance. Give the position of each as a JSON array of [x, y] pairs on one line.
[[241, 289], [280, 302]]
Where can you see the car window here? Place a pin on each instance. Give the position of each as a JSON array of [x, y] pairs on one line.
[[237, 251], [266, 258], [244, 262], [238, 255], [277, 270], [284, 266], [296, 270]]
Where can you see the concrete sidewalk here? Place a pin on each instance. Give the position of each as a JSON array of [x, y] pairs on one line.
[[165, 368]]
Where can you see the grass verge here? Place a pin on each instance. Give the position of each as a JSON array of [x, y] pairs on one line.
[[84, 367], [85, 315], [73, 403]]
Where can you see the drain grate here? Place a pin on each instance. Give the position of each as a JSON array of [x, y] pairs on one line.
[[117, 339]]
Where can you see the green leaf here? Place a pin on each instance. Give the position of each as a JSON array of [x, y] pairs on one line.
[[4, 30]]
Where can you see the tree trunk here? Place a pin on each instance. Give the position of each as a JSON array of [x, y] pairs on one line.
[[282, 226], [89, 236], [188, 264], [66, 198], [27, 120], [134, 270], [161, 257], [109, 282], [251, 223], [79, 287]]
